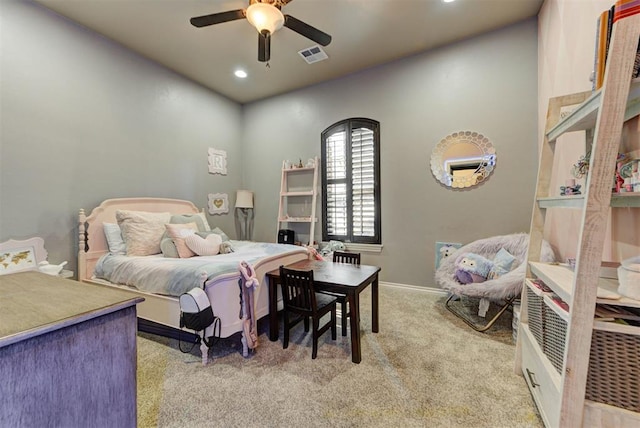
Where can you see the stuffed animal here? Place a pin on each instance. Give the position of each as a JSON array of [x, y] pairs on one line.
[[472, 267], [331, 247]]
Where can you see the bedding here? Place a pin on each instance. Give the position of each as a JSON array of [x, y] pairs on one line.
[[142, 231], [174, 276], [204, 246], [178, 232], [114, 238]]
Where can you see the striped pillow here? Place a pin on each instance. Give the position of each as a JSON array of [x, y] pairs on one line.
[[209, 246]]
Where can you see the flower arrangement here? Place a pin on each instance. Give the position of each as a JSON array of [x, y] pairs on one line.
[[581, 168]]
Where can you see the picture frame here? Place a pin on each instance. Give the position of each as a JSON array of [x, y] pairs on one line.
[[217, 161], [19, 256], [445, 249], [218, 203]]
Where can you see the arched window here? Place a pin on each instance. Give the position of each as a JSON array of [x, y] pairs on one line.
[[351, 180]]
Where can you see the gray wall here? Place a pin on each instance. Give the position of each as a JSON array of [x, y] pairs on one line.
[[84, 119], [486, 84]]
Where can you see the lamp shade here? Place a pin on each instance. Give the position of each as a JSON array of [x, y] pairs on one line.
[[264, 16], [244, 199]]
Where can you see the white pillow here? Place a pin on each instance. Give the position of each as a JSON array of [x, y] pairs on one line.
[[209, 246], [114, 238], [142, 231]]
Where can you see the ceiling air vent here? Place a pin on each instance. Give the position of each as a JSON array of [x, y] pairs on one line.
[[313, 54]]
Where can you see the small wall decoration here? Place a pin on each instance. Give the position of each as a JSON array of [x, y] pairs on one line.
[[218, 203], [444, 250], [217, 161]]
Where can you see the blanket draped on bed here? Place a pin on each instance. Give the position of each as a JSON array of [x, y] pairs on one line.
[[173, 276]]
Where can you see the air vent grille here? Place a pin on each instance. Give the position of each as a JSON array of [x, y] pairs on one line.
[[313, 54]]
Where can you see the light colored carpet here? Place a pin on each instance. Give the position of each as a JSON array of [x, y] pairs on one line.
[[425, 368]]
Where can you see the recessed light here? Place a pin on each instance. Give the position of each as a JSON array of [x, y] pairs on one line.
[[448, 1], [240, 73]]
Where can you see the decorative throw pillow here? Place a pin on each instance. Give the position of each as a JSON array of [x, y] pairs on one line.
[[209, 246], [168, 248], [178, 232], [142, 231], [114, 238], [189, 218], [221, 233], [502, 263]]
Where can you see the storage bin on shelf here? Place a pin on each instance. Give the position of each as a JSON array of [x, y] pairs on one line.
[[535, 292], [614, 367], [547, 321], [555, 330]]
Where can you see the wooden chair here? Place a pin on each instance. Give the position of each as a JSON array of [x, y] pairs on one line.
[[301, 300], [341, 257]]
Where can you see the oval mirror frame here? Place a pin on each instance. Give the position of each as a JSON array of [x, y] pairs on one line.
[[463, 159]]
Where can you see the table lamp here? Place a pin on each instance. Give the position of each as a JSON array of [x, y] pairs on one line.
[[244, 214]]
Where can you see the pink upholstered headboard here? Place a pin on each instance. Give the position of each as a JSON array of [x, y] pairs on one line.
[[94, 244]]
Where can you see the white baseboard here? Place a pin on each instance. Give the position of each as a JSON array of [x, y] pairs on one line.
[[432, 290], [414, 287]]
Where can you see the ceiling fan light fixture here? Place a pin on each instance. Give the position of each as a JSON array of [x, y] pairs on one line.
[[265, 16]]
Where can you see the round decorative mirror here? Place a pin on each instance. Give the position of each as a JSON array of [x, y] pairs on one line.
[[463, 159]]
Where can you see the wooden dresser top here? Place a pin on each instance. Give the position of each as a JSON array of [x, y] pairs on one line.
[[33, 303]]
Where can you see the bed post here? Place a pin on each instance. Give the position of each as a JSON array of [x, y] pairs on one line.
[[82, 245]]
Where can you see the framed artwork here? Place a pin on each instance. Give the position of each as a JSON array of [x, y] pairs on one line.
[[217, 161], [18, 256], [218, 203], [445, 249]]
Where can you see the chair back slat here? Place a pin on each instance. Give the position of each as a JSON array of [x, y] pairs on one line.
[[298, 290], [342, 257]]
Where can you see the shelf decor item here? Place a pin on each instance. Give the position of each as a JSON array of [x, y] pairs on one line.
[[581, 168]]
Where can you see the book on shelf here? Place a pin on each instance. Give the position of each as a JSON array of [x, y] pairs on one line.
[[611, 312], [604, 25], [602, 46]]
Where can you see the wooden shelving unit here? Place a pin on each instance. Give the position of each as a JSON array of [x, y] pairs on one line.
[[561, 352], [290, 196]]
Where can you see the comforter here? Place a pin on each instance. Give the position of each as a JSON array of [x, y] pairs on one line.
[[173, 277]]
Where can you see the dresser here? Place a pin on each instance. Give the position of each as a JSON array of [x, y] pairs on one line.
[[67, 353]]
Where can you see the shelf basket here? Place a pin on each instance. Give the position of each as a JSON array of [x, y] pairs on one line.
[[555, 334], [614, 370], [548, 328], [534, 311]]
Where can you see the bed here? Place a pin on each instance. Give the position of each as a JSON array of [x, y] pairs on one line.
[[161, 306]]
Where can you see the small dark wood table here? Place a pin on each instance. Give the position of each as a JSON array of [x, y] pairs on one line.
[[339, 277]]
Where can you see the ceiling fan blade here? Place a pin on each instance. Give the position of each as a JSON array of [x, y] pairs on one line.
[[217, 18], [264, 46], [307, 30]]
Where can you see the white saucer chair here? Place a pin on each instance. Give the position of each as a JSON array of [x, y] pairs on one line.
[[503, 290]]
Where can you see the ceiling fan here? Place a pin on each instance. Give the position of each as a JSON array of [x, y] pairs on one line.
[[266, 17]]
